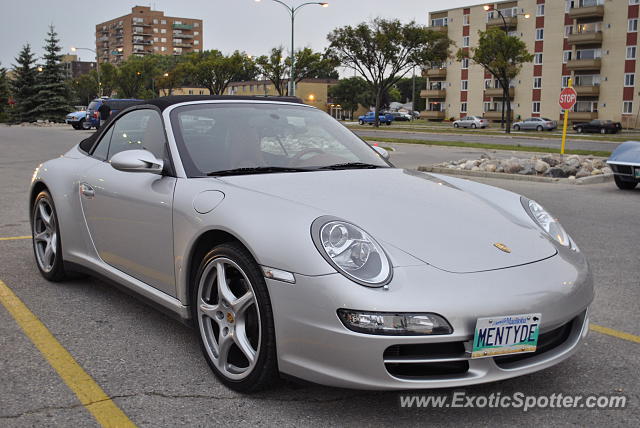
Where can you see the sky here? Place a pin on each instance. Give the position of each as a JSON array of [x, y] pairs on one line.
[[228, 24]]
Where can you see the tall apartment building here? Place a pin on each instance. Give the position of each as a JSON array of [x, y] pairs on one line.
[[594, 42], [145, 31]]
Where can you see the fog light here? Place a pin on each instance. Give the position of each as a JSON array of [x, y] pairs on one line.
[[394, 324]]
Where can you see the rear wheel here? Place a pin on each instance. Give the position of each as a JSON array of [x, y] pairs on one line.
[[473, 126], [388, 123], [47, 246], [233, 313], [539, 128], [603, 131], [624, 185]]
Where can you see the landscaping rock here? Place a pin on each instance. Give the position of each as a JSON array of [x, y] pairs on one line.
[[541, 166], [555, 172]]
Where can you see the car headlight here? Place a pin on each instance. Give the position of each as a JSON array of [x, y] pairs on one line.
[[396, 324], [351, 251], [547, 223]]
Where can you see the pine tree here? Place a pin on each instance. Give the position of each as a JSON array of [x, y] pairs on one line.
[[23, 87], [52, 95], [4, 93]]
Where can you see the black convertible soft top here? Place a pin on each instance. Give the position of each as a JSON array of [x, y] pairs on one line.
[[164, 102]]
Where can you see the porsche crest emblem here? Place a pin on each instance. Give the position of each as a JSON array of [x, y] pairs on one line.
[[502, 247]]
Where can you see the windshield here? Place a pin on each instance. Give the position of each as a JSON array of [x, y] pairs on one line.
[[264, 137]]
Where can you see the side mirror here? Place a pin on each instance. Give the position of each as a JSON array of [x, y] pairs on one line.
[[137, 161], [382, 152]]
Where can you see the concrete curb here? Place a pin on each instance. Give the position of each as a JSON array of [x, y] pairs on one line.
[[594, 179]]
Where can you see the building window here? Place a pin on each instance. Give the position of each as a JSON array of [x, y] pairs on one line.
[[196, 50], [465, 42], [196, 24], [465, 63], [631, 52], [537, 58], [537, 82], [155, 39], [177, 22], [540, 10], [633, 25], [195, 33], [463, 108], [487, 83], [464, 85], [163, 21], [155, 30], [632, 2], [565, 81], [487, 106], [629, 79], [163, 40], [163, 48], [163, 31], [568, 4], [568, 30], [627, 107], [566, 56], [196, 42], [155, 21], [535, 107], [539, 33], [465, 19]]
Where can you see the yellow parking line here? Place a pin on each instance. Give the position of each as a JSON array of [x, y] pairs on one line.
[[92, 397], [615, 333], [13, 238]]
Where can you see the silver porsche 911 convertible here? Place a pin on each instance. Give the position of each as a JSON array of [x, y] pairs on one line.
[[293, 247]]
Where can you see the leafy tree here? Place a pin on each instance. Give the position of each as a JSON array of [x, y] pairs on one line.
[[23, 86], [4, 93], [350, 93], [384, 51], [273, 68], [52, 95], [502, 56], [215, 71], [405, 86], [108, 78], [309, 65], [136, 76]]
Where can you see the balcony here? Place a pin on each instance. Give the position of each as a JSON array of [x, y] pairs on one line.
[[586, 38], [142, 42], [182, 26], [439, 28], [495, 115], [587, 90], [182, 45], [434, 72], [432, 114], [433, 93], [511, 21], [584, 64], [182, 36], [587, 9], [579, 116], [497, 92]]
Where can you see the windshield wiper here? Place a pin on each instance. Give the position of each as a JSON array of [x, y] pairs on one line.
[[256, 170], [351, 165]]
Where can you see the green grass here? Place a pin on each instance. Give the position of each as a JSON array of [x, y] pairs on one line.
[[517, 148], [532, 135]]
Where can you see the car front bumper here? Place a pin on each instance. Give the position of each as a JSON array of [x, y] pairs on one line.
[[314, 345]]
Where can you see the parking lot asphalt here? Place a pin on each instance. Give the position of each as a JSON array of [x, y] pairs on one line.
[[150, 366]]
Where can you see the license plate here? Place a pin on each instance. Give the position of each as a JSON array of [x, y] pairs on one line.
[[637, 172], [509, 334]]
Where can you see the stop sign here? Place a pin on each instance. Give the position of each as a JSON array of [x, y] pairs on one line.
[[568, 98]]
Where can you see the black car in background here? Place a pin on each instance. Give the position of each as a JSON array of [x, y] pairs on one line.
[[596, 125]]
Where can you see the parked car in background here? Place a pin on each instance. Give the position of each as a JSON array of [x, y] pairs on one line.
[[115, 105], [471, 122], [400, 117], [596, 125], [536, 123], [370, 118], [77, 119], [625, 163]]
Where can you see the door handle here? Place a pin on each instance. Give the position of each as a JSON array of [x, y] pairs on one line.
[[87, 190]]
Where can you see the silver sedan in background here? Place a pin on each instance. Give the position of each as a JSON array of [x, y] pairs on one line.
[[294, 247], [536, 123], [471, 122]]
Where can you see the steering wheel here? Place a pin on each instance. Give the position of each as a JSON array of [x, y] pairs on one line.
[[298, 156]]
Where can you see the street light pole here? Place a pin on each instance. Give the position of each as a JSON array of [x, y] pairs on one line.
[[73, 49], [292, 12]]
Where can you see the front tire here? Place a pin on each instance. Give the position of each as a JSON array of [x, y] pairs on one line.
[[603, 131], [232, 311], [516, 127], [579, 129], [361, 122], [624, 185], [455, 125], [47, 245], [539, 128], [473, 126]]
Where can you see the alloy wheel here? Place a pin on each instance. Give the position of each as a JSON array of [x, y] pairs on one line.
[[45, 235], [229, 318]]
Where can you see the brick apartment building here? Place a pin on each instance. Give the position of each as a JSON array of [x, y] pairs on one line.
[[594, 42], [145, 31]]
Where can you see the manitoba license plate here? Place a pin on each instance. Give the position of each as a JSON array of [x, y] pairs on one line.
[[510, 334]]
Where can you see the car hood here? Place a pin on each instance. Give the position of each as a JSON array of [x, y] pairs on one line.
[[441, 225]]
